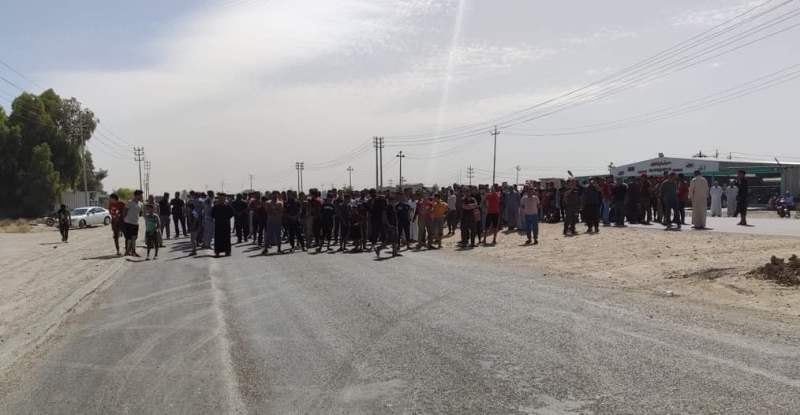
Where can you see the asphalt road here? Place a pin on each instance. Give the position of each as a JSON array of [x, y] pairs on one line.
[[430, 332]]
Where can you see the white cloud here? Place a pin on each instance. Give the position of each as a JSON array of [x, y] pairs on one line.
[[604, 34], [712, 17]]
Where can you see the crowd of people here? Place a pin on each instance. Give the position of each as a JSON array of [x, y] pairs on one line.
[[372, 221]]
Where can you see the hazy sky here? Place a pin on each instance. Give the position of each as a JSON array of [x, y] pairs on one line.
[[216, 90]]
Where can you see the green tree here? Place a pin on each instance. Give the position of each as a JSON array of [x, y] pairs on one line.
[[41, 183], [10, 147], [124, 193], [64, 126]]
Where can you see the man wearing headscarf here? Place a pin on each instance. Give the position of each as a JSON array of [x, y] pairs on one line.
[[716, 199], [731, 191], [698, 194]]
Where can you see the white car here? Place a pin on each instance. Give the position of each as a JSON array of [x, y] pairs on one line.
[[90, 216]]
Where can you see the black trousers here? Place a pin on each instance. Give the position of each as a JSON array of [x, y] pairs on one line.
[[64, 230], [239, 224], [741, 209], [179, 220], [294, 232], [375, 231], [619, 213], [404, 230], [570, 219], [343, 226], [468, 232], [327, 230]]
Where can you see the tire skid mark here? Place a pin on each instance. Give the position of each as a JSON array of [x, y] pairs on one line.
[[235, 400]]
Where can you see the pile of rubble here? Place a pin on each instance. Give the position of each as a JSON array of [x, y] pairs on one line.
[[780, 271]]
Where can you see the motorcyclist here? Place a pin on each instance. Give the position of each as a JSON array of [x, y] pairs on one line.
[[788, 200]]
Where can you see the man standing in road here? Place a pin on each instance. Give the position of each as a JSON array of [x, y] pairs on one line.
[[716, 199], [669, 200], [683, 197], [591, 203], [208, 220], [731, 193], [492, 200], [529, 206], [133, 209], [177, 204], [619, 192], [163, 216], [221, 214], [698, 194], [572, 204], [438, 215], [240, 218], [403, 210], [64, 222], [741, 197], [115, 209]]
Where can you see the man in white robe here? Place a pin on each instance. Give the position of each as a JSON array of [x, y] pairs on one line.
[[698, 194], [730, 195], [716, 199]]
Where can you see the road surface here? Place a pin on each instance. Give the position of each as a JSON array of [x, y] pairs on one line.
[[430, 332]]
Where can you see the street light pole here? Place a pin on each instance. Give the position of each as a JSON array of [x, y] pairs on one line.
[[350, 176], [401, 156]]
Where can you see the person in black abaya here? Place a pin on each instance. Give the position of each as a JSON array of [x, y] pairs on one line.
[[222, 213]]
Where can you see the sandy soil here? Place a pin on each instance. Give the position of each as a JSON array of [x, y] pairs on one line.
[[43, 280], [703, 266]]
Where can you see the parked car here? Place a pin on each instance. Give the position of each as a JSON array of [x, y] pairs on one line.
[[90, 216]]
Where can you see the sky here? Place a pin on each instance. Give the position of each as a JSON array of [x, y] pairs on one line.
[[218, 90]]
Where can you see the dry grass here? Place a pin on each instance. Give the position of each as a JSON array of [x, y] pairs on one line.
[[15, 226]]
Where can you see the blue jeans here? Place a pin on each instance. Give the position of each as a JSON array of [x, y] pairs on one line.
[[606, 211], [532, 226]]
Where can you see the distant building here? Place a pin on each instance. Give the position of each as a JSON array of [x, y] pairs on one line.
[[766, 178]]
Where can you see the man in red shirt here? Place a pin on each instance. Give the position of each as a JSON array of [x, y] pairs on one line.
[[115, 208], [493, 212], [605, 191]]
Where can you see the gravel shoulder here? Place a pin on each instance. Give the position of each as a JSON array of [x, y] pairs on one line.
[[707, 267], [43, 280]]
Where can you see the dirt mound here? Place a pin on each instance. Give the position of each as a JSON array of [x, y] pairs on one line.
[[780, 271]]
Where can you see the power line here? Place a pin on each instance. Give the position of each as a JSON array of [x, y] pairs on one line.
[[688, 44], [748, 88], [20, 74], [647, 77]]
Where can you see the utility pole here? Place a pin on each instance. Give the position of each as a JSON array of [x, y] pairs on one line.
[[375, 143], [350, 176], [495, 133], [251, 182], [470, 174], [300, 167], [401, 156], [138, 153], [147, 166], [517, 169], [380, 150], [297, 167], [78, 134]]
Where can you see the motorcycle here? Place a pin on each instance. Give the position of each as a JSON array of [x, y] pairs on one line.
[[783, 209]]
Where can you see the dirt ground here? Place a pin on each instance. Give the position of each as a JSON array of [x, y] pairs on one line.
[[42, 280], [702, 266]]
